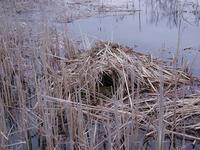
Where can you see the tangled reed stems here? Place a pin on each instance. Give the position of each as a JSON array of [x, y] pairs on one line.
[[109, 97]]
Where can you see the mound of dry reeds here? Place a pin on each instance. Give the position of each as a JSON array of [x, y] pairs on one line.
[[122, 63], [116, 95]]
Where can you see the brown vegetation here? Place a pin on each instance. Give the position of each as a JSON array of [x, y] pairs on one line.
[[108, 97]]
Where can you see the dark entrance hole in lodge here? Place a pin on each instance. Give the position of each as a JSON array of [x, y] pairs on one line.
[[107, 80], [108, 83]]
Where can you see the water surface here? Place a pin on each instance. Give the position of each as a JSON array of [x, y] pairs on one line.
[[158, 28]]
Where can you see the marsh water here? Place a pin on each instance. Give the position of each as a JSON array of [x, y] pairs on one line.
[[154, 27]]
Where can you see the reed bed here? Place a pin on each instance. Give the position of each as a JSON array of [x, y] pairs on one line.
[[109, 97]]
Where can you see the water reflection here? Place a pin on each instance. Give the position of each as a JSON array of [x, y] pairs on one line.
[[156, 10]]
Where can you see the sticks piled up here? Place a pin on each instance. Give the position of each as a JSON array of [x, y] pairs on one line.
[[124, 63]]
